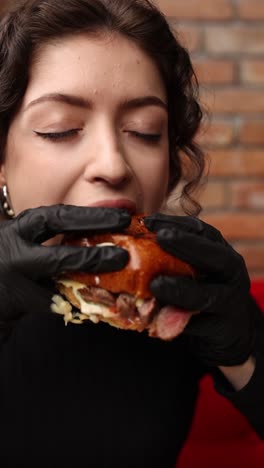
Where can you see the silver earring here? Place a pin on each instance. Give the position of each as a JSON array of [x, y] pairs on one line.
[[6, 208]]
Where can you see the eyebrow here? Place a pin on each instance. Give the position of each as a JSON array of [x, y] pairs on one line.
[[78, 101]]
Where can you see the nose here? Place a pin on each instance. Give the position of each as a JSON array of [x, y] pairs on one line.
[[109, 162]]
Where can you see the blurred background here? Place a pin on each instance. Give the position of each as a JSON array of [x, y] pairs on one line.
[[226, 41]]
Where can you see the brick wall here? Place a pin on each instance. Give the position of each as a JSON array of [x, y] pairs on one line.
[[226, 41]]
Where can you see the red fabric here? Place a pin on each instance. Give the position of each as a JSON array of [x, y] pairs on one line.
[[221, 436]]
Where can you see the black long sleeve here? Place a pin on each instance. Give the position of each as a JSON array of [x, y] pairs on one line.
[[94, 396], [250, 399]]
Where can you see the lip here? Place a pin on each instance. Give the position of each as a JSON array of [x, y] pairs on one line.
[[121, 203]]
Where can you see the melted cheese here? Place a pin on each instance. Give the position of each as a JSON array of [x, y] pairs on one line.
[[88, 310], [139, 302], [97, 280], [87, 307], [106, 244]]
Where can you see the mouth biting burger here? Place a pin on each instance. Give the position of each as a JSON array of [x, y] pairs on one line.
[[123, 298]]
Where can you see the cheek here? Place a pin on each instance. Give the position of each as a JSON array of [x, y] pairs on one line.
[[154, 177], [33, 180]]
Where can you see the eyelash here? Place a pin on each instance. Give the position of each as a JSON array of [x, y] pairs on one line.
[[60, 136], [56, 136], [149, 137]]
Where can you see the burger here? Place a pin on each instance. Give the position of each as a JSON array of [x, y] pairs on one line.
[[123, 298]]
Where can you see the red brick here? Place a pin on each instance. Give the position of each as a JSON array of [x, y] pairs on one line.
[[217, 134], [252, 72], [233, 100], [251, 9], [191, 37], [235, 39], [248, 195], [215, 71], [236, 226], [194, 9], [253, 254], [252, 132], [237, 162], [213, 195]]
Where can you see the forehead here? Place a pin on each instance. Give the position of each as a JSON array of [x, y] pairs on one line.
[[107, 66]]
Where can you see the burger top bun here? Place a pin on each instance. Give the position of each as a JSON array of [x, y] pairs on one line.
[[146, 260]]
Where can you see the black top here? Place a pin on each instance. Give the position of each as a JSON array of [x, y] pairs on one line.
[[95, 396]]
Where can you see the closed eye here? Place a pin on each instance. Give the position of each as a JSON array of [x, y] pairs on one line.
[[56, 136], [149, 137]]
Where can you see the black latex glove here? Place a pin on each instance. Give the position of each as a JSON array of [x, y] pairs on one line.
[[25, 265], [224, 329]]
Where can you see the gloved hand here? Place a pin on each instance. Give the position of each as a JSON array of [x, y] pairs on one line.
[[223, 332], [25, 265]]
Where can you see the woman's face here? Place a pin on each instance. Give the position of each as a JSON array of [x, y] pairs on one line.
[[92, 128]]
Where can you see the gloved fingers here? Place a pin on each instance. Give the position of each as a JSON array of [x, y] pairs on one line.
[[188, 293], [206, 256], [185, 224], [40, 224], [46, 261]]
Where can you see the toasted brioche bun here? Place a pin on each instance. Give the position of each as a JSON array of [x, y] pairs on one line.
[[146, 261]]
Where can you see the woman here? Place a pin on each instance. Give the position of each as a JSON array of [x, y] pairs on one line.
[[97, 105]]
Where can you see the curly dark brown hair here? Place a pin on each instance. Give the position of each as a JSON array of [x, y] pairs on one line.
[[35, 22]]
